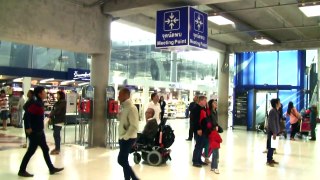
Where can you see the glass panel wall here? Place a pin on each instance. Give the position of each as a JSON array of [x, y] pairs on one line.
[[14, 54], [135, 57], [288, 71], [266, 68], [28, 56]]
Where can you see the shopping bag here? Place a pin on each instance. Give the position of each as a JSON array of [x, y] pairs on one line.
[[275, 142]]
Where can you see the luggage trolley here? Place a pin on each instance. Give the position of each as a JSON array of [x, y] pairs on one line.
[[305, 127]]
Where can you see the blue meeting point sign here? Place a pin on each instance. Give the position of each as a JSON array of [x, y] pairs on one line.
[[181, 28]]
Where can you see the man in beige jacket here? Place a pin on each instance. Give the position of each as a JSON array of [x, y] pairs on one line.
[[128, 129]]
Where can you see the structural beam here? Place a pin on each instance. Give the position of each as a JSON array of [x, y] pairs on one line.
[[53, 24], [296, 45], [122, 8]]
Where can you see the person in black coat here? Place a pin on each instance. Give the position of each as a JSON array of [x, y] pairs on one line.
[[199, 114], [26, 105], [162, 106], [191, 106], [34, 127], [58, 118]]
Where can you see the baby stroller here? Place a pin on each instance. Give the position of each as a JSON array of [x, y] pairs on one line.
[[153, 143]]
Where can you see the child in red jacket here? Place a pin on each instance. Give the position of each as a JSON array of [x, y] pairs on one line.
[[215, 140]]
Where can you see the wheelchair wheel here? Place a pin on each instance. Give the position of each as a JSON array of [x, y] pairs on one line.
[[154, 158], [136, 158]]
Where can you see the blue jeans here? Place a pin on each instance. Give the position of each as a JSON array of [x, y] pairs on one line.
[[270, 150], [200, 143], [125, 147], [215, 159], [56, 136]]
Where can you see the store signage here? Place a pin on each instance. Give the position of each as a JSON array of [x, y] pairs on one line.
[[71, 102], [181, 27], [78, 74]]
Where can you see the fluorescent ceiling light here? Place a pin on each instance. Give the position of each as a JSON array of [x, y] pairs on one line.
[[18, 80], [46, 80], [66, 82], [82, 84], [220, 20], [310, 10], [263, 41]]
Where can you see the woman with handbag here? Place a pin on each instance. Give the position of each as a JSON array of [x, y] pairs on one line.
[[57, 119], [294, 119], [212, 122]]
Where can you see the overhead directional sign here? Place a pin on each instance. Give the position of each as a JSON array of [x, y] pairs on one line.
[[181, 27]]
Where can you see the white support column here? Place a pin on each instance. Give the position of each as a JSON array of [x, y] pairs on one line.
[[191, 95], [99, 80], [173, 74], [145, 100], [26, 85], [223, 89], [318, 68]]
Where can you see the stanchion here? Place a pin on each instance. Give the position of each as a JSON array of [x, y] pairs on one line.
[[112, 134]]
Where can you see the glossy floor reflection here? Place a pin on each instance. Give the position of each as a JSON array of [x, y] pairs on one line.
[[241, 157]]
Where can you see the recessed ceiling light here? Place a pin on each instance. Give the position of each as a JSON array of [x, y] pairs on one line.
[[263, 41], [310, 10], [220, 20]]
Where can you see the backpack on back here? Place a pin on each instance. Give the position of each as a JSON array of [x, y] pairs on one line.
[[167, 136]]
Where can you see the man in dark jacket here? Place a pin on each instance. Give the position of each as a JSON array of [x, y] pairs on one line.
[[34, 128], [273, 129], [191, 106], [199, 113]]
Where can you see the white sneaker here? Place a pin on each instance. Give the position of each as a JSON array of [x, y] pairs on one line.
[[216, 171]]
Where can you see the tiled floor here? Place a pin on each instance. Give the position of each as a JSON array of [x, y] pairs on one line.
[[241, 157]]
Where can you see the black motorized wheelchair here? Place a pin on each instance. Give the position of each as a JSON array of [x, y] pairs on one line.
[[153, 143]]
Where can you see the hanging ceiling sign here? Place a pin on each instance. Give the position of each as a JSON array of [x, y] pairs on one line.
[[182, 28]]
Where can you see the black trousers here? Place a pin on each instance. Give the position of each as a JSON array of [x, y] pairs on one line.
[[294, 129], [161, 115], [125, 147], [56, 136], [36, 139], [313, 130], [200, 144]]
